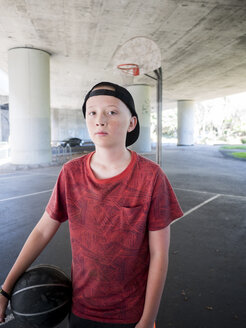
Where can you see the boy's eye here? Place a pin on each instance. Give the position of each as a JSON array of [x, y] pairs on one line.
[[112, 112], [91, 113]]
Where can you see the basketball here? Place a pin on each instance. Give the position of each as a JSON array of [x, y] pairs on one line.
[[41, 297]]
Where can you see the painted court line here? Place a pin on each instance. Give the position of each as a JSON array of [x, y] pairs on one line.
[[198, 191], [210, 192], [9, 317], [47, 174], [198, 206], [14, 176], [26, 195], [27, 175]]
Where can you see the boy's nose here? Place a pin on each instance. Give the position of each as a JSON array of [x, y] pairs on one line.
[[101, 120]]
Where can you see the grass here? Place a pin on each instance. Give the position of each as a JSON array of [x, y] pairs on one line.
[[239, 155], [234, 147]]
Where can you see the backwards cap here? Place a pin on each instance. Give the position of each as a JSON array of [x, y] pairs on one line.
[[122, 94]]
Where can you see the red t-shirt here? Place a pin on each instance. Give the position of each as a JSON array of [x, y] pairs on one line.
[[109, 221]]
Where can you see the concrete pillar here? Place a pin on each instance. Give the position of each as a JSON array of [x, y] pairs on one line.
[[141, 94], [186, 112], [5, 123], [29, 106], [3, 100], [1, 138]]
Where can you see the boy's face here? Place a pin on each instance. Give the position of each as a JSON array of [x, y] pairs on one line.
[[108, 120]]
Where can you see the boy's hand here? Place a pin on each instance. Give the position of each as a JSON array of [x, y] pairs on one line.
[[3, 306]]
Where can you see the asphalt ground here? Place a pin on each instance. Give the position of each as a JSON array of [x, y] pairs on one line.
[[206, 282]]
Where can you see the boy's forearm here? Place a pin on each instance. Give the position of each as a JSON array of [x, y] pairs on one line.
[[155, 285], [33, 246], [30, 251]]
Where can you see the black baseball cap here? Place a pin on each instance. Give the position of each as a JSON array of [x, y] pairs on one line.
[[124, 95]]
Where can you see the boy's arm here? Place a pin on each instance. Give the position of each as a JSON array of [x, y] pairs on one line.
[[35, 243], [159, 248]]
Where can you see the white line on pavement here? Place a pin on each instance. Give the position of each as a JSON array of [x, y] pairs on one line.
[[27, 175], [192, 190], [209, 192], [14, 176], [26, 195], [198, 206], [7, 319]]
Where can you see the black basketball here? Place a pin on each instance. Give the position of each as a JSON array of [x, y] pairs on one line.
[[41, 297]]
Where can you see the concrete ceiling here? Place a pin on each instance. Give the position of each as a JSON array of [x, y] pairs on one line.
[[202, 43]]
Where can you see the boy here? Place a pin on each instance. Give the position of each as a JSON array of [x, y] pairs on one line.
[[119, 206]]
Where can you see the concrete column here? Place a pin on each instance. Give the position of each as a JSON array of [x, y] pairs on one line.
[[3, 100], [29, 106], [1, 138], [186, 111], [141, 94]]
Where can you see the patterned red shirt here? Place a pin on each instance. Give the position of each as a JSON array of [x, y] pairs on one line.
[[109, 221]]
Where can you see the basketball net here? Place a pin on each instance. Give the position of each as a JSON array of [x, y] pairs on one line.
[[127, 72]]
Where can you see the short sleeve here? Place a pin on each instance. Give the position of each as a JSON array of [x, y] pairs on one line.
[[164, 207], [57, 207]]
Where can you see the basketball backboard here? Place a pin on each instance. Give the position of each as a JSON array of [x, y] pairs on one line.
[[141, 51]]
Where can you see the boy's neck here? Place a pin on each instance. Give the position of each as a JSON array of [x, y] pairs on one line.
[[111, 158]]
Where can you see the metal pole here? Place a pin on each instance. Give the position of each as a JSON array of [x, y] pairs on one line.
[[158, 73]]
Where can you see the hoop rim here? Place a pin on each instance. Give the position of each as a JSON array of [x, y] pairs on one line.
[[132, 69]]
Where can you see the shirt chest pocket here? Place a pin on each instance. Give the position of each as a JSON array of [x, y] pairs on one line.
[[133, 219]]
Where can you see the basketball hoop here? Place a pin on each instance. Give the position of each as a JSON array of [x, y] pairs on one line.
[[132, 69], [127, 72]]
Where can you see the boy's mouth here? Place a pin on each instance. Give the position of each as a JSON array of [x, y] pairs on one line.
[[101, 133]]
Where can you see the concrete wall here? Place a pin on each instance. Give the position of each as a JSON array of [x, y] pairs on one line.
[[67, 123]]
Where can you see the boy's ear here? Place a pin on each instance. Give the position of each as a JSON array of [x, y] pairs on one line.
[[133, 123]]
